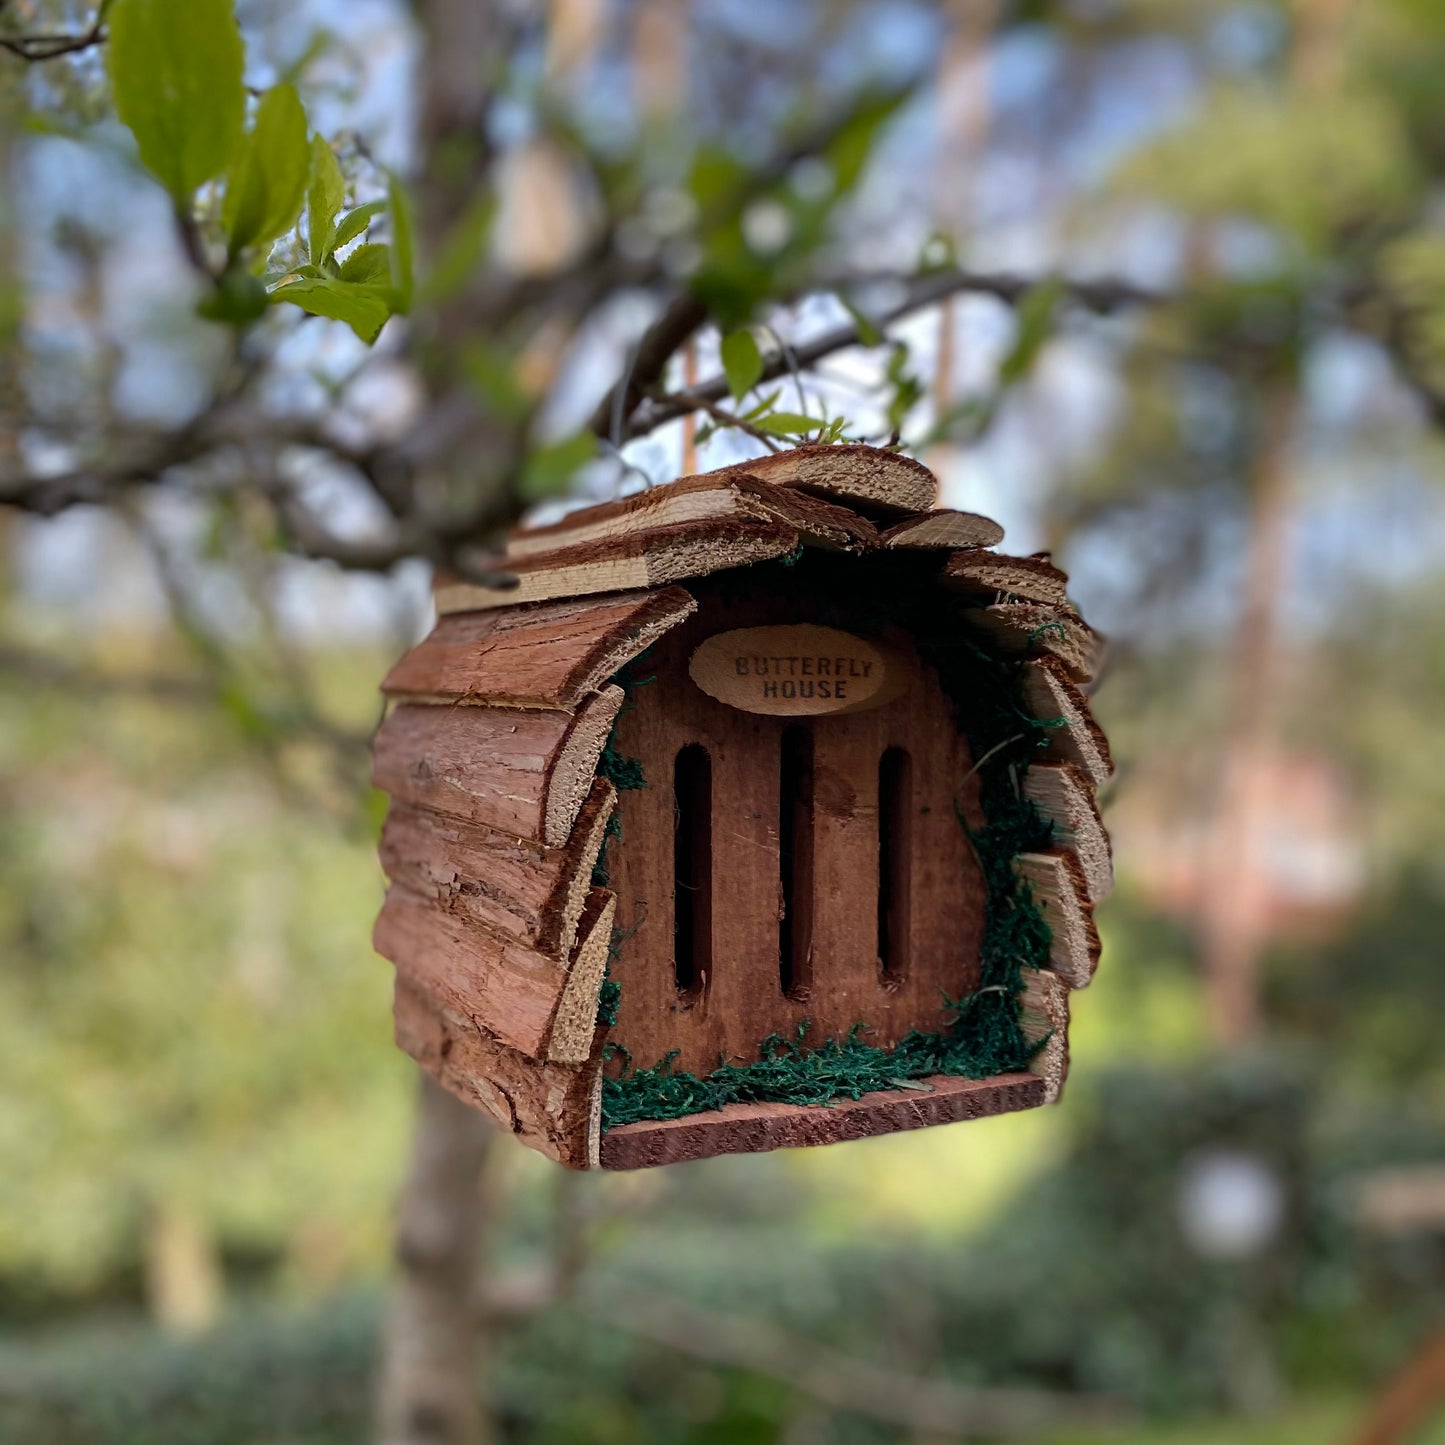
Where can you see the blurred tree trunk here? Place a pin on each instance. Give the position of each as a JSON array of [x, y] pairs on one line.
[[1234, 906], [963, 126], [182, 1271], [1234, 900], [430, 1390]]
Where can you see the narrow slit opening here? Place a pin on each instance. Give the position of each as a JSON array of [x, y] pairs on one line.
[[895, 815], [692, 870], [795, 863]]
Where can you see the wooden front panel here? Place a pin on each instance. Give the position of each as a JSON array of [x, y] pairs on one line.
[[834, 847]]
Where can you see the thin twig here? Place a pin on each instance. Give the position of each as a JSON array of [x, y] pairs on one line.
[[922, 291], [50, 47]]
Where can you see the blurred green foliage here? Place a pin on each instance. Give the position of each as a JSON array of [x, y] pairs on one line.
[[189, 1009]]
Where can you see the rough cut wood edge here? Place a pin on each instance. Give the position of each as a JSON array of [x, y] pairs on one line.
[[504, 987], [1062, 793], [575, 1027], [851, 473], [991, 574], [553, 1108], [577, 761], [648, 559], [1077, 738], [754, 1128], [1045, 1012], [524, 772], [550, 655], [1062, 892], [944, 530], [513, 887], [1058, 632], [698, 501]]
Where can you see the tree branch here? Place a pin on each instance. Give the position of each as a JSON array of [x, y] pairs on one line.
[[922, 291], [49, 47], [923, 1407]]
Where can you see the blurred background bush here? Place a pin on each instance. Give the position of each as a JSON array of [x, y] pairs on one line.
[[1163, 287]]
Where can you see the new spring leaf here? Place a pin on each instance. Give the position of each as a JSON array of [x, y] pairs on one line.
[[175, 70], [268, 181]]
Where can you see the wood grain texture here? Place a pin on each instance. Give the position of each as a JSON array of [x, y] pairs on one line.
[[1074, 737], [508, 989], [1063, 794], [742, 999], [990, 574], [548, 655], [575, 1027], [698, 501], [553, 1108], [752, 1128], [513, 887], [851, 473], [520, 771], [1028, 629], [647, 559], [943, 530], [1062, 893], [1045, 1015]]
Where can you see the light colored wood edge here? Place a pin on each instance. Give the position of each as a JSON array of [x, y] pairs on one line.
[[659, 612], [575, 1026], [698, 502], [1062, 793], [987, 573], [584, 848], [1033, 629], [1062, 892], [851, 472], [1050, 695], [576, 763], [1045, 1012], [552, 1108], [753, 1128], [943, 530], [647, 559]]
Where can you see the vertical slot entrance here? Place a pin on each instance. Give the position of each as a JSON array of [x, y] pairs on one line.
[[692, 869], [895, 815], [795, 863]]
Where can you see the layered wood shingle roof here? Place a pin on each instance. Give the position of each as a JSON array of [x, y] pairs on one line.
[[498, 721]]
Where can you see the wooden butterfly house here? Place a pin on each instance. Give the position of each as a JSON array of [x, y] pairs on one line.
[[759, 813]]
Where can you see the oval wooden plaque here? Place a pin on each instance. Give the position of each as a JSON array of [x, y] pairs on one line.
[[799, 670]]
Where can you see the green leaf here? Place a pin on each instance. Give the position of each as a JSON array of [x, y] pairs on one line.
[[369, 265], [493, 371], [763, 406], [787, 423], [353, 223], [323, 201], [868, 333], [239, 298], [742, 362], [268, 182], [175, 69], [550, 468], [399, 209], [1036, 314], [462, 250], [364, 309]]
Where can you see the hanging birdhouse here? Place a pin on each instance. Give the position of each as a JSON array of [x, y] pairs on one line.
[[759, 813]]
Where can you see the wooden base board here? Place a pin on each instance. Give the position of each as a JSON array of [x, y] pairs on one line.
[[754, 1128]]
